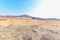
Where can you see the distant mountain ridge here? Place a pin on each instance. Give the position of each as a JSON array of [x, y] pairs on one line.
[[28, 16], [37, 18]]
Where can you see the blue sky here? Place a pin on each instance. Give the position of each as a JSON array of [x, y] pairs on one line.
[[16, 7], [37, 8]]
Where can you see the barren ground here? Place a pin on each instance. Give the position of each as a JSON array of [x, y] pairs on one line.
[[20, 28]]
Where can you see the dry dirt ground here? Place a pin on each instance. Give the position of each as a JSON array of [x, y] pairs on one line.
[[18, 28]]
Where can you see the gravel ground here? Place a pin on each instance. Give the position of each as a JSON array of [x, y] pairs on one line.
[[33, 32]]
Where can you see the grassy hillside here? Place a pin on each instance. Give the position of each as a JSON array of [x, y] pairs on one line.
[[22, 28]]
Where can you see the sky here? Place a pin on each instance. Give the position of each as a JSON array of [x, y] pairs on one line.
[[16, 7], [47, 9], [36, 8]]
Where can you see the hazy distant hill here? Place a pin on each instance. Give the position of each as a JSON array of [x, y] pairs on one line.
[[25, 27], [37, 18]]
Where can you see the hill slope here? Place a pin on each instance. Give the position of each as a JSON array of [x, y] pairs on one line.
[[23, 28]]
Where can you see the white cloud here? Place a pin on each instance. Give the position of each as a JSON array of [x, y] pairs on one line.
[[47, 9]]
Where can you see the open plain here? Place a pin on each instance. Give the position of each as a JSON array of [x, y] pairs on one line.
[[22, 28]]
